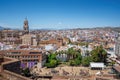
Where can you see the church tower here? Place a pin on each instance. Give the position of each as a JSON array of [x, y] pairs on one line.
[[26, 26]]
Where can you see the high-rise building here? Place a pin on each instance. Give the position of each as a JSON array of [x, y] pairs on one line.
[[117, 46], [26, 26]]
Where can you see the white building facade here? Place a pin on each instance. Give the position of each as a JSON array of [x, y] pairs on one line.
[[117, 46]]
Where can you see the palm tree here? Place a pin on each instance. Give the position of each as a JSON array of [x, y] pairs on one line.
[[79, 50], [104, 55], [87, 53], [68, 55]]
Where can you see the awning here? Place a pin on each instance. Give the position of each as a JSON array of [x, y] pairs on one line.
[[97, 65]]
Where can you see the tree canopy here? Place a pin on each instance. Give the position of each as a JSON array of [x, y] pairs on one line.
[[99, 54], [86, 61], [51, 61], [74, 57]]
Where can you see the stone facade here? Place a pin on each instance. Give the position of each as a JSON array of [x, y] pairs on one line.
[[27, 39]]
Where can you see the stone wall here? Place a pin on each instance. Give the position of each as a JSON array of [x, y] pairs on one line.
[[13, 76], [10, 69], [0, 68], [106, 77], [13, 67], [1, 59]]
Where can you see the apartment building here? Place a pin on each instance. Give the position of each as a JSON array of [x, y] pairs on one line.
[[28, 58]]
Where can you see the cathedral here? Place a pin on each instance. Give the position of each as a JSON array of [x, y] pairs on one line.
[[11, 37]]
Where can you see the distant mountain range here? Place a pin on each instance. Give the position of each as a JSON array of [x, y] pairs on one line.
[[1, 28], [117, 29]]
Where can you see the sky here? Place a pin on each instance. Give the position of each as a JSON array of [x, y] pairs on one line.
[[60, 14]]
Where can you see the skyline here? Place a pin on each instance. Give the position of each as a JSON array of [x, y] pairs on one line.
[[60, 14]]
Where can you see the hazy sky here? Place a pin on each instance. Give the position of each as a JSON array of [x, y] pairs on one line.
[[57, 14]]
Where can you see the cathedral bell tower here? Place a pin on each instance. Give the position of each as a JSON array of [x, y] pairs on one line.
[[26, 26]]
